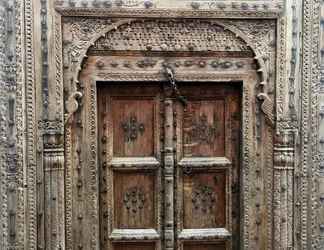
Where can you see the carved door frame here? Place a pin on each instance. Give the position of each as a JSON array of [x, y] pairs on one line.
[[262, 114]]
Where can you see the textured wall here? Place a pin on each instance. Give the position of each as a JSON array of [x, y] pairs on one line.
[[30, 109]]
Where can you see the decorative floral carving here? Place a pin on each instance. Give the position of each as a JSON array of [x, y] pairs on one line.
[[134, 199], [203, 198], [132, 128], [85, 28], [203, 131]]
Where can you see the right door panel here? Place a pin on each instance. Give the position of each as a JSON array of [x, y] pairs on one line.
[[208, 169]]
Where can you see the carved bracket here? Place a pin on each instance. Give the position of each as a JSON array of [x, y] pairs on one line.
[[267, 108], [72, 104]]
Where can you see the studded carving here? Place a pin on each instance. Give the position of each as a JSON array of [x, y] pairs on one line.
[[134, 199], [171, 36], [204, 198]]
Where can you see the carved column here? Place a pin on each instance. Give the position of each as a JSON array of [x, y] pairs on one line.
[[321, 135], [169, 176], [54, 211], [283, 190]]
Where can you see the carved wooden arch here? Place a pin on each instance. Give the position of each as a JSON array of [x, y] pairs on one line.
[[259, 57], [83, 121], [235, 31]]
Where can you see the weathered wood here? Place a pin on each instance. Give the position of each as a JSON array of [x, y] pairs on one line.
[[209, 170], [44, 65], [134, 234], [205, 234], [130, 172], [205, 246]]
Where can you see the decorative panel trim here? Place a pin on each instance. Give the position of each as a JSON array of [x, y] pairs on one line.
[[133, 162], [165, 13], [30, 127], [134, 234], [202, 162], [309, 165], [204, 234]]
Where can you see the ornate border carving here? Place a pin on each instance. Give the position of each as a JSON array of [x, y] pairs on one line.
[[309, 101], [30, 127], [20, 124], [164, 13], [249, 160], [309, 169]]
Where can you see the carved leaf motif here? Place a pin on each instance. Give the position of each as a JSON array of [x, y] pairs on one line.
[[85, 28], [259, 33], [82, 30]]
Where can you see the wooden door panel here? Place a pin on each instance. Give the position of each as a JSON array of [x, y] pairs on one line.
[[203, 128], [199, 181], [204, 198], [204, 246], [134, 246], [130, 173], [134, 200], [133, 126], [208, 128]]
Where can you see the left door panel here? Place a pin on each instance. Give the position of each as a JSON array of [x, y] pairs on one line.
[[129, 136]]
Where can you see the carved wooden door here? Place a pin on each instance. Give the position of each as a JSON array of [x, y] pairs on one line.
[[169, 170]]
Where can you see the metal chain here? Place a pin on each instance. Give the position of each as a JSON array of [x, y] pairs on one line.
[[169, 72]]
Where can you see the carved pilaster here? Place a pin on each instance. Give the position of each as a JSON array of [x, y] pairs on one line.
[[54, 211], [283, 190], [169, 176]]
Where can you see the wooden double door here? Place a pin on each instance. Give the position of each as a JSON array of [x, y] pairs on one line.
[[169, 168]]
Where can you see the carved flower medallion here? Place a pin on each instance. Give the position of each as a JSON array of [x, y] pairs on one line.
[[203, 132], [132, 128], [203, 198]]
